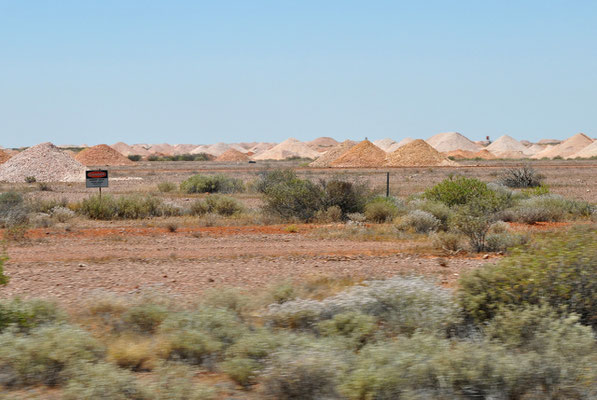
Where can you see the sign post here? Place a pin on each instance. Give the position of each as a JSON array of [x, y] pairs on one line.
[[96, 179]]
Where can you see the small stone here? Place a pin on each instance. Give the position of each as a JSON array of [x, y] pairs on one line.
[[82, 266], [485, 256]]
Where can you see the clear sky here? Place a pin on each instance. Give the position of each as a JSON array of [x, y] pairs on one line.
[[79, 71]]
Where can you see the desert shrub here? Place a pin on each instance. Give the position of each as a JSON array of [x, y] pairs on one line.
[[3, 277], [347, 196], [540, 190], [523, 177], [124, 207], [200, 337], [450, 242], [92, 381], [16, 233], [44, 187], [297, 373], [425, 367], [134, 353], [166, 187], [145, 317], [223, 205], [269, 179], [458, 191], [419, 221], [13, 210], [546, 208], [30, 179], [558, 270], [24, 315], [498, 242], [199, 207], [46, 206], [438, 209], [44, 355], [175, 382], [281, 293], [212, 184], [134, 157], [243, 371], [153, 157], [402, 304], [292, 198], [382, 209], [331, 214], [474, 220], [229, 299], [355, 326], [499, 227]]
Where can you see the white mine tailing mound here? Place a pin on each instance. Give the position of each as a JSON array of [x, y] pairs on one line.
[[567, 148], [450, 141], [537, 148], [45, 162], [200, 149], [162, 148], [322, 144], [288, 148], [217, 149], [398, 145], [384, 144], [587, 152], [237, 147], [122, 148], [261, 147], [506, 146], [183, 149]]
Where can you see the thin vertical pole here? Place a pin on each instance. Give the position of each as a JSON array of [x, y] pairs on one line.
[[100, 188], [388, 184]]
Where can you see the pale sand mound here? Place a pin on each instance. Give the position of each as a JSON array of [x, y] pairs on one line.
[[470, 155], [537, 148], [450, 141], [122, 148], [232, 155], [287, 149], [139, 149], [384, 144], [102, 154], [363, 155], [549, 141], [200, 149], [507, 145], [567, 148], [322, 144], [45, 162], [217, 149], [261, 147], [183, 149], [587, 152], [398, 145], [417, 153], [4, 156], [162, 149], [332, 154]]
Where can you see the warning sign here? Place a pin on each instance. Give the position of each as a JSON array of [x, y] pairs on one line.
[[96, 179]]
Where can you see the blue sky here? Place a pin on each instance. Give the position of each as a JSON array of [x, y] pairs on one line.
[[202, 72]]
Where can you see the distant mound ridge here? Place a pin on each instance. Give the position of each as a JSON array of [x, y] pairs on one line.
[[4, 156], [567, 148], [507, 147], [287, 149], [417, 153], [326, 159], [384, 144], [587, 152], [363, 155], [232, 155], [322, 144], [470, 155], [450, 141], [102, 154], [398, 145], [45, 162]]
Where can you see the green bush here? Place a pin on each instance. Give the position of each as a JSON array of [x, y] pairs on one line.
[[166, 187], [450, 242], [382, 209], [218, 204], [438, 209], [124, 207], [13, 210], [25, 315], [474, 220], [3, 278], [523, 177], [243, 371], [145, 317], [558, 270], [347, 196], [458, 191], [499, 242], [134, 157], [212, 184], [419, 221], [546, 208], [355, 326], [269, 179], [45, 355], [175, 382], [93, 381], [293, 198]]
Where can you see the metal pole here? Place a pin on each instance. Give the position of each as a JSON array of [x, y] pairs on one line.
[[388, 184], [100, 188]]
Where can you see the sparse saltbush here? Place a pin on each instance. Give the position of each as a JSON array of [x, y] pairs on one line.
[[500, 242], [166, 187], [45, 355], [124, 207], [212, 184], [383, 209], [458, 191], [438, 209], [419, 221], [92, 381], [546, 208], [13, 210], [403, 304], [176, 383], [134, 353], [217, 204], [145, 317], [24, 315], [355, 326], [560, 271], [331, 214], [290, 197], [523, 177], [348, 197], [450, 242]]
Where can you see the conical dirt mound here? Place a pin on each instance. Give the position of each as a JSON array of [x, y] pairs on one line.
[[45, 162], [4, 156], [507, 147], [288, 148], [232, 155], [417, 153], [363, 155], [470, 155], [332, 154], [450, 141], [567, 148], [102, 154]]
